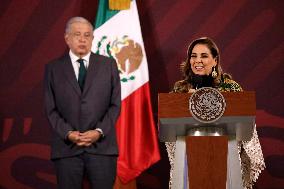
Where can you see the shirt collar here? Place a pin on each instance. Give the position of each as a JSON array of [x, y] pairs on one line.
[[74, 58]]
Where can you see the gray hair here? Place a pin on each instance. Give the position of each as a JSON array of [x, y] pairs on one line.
[[76, 19]]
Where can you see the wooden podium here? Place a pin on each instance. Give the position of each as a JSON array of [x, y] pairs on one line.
[[206, 155]]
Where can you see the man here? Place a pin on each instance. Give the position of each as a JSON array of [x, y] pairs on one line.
[[82, 99]]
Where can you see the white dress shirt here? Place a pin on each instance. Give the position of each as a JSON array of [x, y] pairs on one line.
[[76, 65]]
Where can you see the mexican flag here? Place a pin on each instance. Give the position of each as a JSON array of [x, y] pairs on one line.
[[118, 35]]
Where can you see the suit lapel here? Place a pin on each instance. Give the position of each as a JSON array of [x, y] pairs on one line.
[[68, 70], [92, 70]]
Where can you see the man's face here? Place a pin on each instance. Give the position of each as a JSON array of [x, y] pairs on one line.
[[79, 38]]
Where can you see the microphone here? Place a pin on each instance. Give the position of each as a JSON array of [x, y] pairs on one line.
[[197, 81]]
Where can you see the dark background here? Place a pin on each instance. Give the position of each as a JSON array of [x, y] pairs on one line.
[[249, 34]]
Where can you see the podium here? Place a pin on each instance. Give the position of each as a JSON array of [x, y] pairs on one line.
[[207, 155]]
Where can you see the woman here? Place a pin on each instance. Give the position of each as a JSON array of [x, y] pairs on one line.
[[202, 68]]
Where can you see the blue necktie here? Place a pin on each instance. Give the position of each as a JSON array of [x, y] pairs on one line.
[[82, 73]]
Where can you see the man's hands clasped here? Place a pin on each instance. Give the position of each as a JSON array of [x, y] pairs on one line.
[[84, 139]]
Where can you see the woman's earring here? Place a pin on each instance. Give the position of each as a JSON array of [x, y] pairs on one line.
[[214, 73]]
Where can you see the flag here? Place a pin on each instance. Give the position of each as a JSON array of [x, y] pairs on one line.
[[118, 35]]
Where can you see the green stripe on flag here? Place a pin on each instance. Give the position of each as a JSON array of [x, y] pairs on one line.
[[104, 13]]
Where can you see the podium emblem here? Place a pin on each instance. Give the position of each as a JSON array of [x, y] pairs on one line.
[[207, 105]]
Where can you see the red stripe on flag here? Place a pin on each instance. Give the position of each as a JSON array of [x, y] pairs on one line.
[[137, 135]]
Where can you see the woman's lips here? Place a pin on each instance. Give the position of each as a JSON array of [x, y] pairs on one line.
[[199, 67]]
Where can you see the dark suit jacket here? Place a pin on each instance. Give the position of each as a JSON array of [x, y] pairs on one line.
[[97, 106]]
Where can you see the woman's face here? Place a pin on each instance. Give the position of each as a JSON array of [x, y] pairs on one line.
[[201, 60]]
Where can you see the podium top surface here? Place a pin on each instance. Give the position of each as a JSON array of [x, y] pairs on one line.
[[174, 105]]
